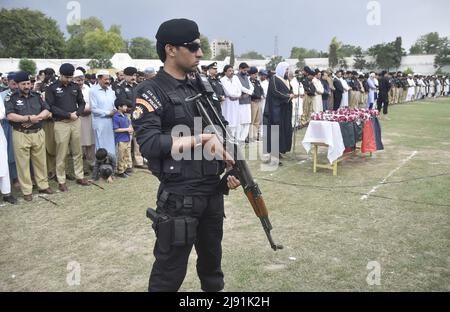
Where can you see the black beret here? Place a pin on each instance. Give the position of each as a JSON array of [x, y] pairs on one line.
[[130, 71], [21, 76], [253, 70], [212, 65], [66, 69], [177, 31], [309, 71]]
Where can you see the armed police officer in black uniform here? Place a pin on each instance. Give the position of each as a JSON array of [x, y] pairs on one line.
[[215, 82], [190, 207], [67, 104]]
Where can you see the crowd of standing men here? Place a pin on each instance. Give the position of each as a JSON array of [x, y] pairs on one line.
[[286, 98], [61, 127], [77, 120]]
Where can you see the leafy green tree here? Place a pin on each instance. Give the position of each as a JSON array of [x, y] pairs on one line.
[[302, 53], [32, 34], [386, 55], [222, 55], [274, 62], [252, 55], [333, 59], [360, 61], [102, 44], [347, 50], [102, 63], [28, 66], [206, 48], [428, 44], [142, 48], [86, 25], [232, 57], [442, 58]]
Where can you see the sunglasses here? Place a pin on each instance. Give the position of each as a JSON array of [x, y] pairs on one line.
[[191, 46]]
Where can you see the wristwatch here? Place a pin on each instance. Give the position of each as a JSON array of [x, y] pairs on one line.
[[29, 119]]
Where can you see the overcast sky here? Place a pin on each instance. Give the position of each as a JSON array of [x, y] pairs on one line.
[[253, 24]]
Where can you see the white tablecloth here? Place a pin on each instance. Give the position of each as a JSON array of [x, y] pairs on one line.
[[327, 132]]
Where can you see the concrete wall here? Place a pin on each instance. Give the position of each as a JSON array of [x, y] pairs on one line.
[[423, 64]]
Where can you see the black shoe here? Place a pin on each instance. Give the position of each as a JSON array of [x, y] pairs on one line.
[[121, 175], [129, 170], [10, 199]]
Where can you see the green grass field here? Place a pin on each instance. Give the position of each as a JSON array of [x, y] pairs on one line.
[[329, 233]]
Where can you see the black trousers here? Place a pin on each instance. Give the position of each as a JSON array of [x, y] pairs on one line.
[[383, 101], [169, 268], [337, 97]]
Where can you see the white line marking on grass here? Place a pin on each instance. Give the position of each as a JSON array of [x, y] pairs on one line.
[[404, 161]]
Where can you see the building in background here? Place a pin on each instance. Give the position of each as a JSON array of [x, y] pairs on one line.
[[220, 45]]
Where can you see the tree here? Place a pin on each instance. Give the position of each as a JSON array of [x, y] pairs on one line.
[[442, 58], [333, 59], [89, 24], [428, 44], [100, 63], [116, 29], [206, 48], [399, 52], [385, 55], [27, 33], [302, 53], [346, 50], [360, 61], [102, 44], [28, 66], [252, 55], [274, 62], [222, 55], [142, 48], [232, 59]]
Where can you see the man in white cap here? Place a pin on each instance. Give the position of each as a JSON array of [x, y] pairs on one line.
[[102, 99], [87, 133]]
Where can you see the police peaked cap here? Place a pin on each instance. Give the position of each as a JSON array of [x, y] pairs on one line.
[[21, 76]]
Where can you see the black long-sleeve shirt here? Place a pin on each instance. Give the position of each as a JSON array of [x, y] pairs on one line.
[[64, 100], [109, 160]]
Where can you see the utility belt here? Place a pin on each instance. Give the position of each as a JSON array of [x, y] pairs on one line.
[[28, 131], [178, 230]]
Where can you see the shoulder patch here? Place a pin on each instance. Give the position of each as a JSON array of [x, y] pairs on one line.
[[137, 112], [146, 104], [151, 98]]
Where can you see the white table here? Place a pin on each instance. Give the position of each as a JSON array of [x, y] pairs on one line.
[[328, 133]]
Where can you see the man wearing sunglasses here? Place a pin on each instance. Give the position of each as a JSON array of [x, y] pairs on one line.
[[190, 206]]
